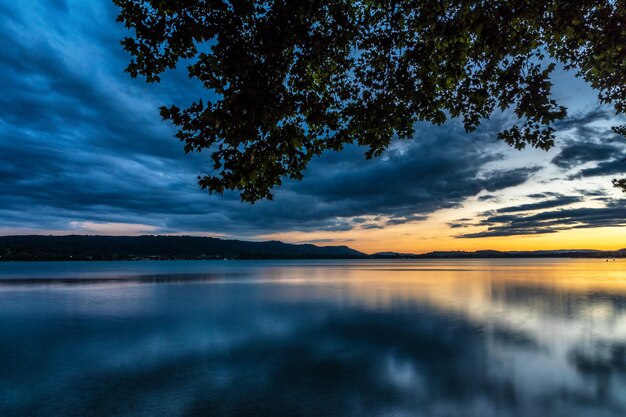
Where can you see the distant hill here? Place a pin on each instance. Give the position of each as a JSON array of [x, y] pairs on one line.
[[393, 255], [564, 253], [79, 247], [75, 247]]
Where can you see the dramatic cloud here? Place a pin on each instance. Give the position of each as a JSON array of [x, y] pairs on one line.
[[557, 202], [83, 149], [579, 153], [614, 167], [82, 144], [612, 214], [487, 197], [593, 144]]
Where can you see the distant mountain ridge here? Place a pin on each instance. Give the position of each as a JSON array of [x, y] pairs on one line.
[[80, 247]]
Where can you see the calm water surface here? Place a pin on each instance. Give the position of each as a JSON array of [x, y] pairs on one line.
[[467, 338]]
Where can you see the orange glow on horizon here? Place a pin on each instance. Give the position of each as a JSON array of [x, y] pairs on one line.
[[425, 237]]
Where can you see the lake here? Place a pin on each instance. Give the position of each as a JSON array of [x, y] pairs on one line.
[[436, 338]]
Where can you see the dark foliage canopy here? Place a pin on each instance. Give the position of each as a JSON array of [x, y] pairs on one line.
[[290, 79]]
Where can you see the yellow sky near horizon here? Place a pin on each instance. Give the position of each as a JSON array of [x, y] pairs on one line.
[[423, 237], [416, 237], [435, 233]]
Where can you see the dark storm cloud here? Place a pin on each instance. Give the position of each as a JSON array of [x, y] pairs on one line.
[[614, 167], [579, 153], [405, 219], [612, 214], [487, 197], [405, 185], [543, 195], [504, 231], [458, 225], [592, 193], [372, 226], [592, 144], [82, 142], [581, 120], [557, 202], [495, 216]]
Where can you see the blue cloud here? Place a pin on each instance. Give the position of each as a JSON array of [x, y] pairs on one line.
[[80, 141]]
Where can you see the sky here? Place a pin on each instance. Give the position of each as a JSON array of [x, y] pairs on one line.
[[83, 150]]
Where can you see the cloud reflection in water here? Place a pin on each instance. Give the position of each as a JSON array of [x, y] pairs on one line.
[[431, 338]]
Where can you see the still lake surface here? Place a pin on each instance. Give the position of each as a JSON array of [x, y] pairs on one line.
[[437, 338]]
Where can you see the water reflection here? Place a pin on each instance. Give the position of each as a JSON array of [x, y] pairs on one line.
[[455, 338]]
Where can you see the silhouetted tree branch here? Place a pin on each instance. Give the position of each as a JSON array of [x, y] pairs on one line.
[[288, 80]]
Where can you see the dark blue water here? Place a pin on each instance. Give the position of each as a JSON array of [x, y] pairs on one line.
[[524, 338]]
